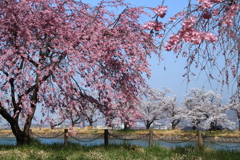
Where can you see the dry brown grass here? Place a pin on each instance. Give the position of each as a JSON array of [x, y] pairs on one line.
[[231, 133], [6, 132], [48, 131]]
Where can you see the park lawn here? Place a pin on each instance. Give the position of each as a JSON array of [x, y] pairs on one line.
[[37, 151]]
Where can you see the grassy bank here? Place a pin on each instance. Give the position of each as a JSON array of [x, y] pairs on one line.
[[37, 151]]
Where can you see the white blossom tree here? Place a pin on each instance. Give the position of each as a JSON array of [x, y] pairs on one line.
[[155, 106], [236, 108], [234, 104], [172, 110], [205, 108]]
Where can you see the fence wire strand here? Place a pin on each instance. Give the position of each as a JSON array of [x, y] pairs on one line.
[[8, 139], [114, 136], [224, 145], [88, 140], [58, 135], [175, 141]]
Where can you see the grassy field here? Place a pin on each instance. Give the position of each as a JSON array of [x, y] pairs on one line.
[[37, 151]]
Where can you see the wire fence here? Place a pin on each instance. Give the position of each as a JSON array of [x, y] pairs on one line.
[[47, 137], [121, 137], [8, 139], [225, 145], [182, 141], [150, 136], [80, 140]]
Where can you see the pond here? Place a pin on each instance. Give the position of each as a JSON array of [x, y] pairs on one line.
[[142, 142]]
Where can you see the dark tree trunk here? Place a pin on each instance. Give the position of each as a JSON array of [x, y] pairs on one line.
[[238, 124], [238, 115], [90, 123], [148, 124], [54, 125], [213, 126], [22, 136], [173, 127], [175, 123], [76, 121], [194, 127], [126, 125]]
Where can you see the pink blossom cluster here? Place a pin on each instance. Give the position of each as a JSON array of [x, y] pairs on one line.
[[230, 14], [150, 25], [157, 26], [208, 3], [189, 34], [160, 10]]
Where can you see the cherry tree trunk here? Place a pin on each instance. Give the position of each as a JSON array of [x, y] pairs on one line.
[[239, 122], [91, 123], [126, 125], [148, 124], [175, 123], [22, 137], [174, 126], [238, 125]]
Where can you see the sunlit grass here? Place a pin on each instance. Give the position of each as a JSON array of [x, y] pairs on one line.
[[72, 151]]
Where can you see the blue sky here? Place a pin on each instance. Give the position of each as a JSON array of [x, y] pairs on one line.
[[172, 78]]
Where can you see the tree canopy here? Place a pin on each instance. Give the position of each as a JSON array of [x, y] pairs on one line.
[[53, 51]]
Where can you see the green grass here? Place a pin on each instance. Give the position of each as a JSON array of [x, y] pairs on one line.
[[38, 151]]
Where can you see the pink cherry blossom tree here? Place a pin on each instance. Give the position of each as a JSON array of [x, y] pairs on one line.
[[56, 121], [55, 50], [112, 119], [91, 114]]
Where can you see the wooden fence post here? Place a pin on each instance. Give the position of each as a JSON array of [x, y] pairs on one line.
[[200, 142], [105, 137], [150, 142], [65, 136]]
